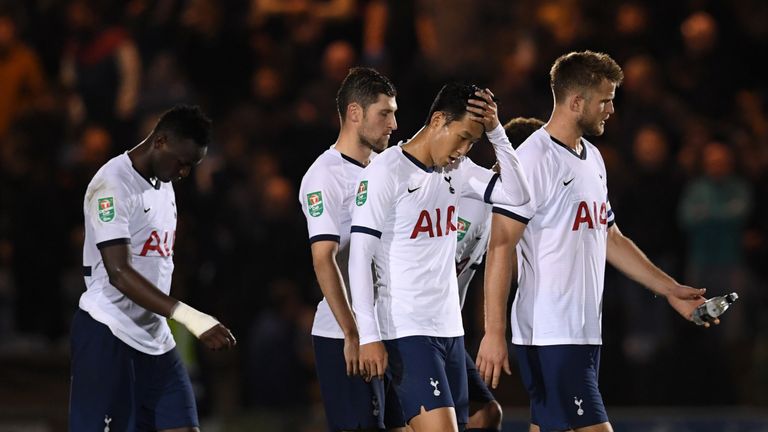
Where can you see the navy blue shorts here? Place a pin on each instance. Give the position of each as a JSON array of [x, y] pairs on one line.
[[117, 386], [430, 372], [350, 402], [562, 384], [478, 391]]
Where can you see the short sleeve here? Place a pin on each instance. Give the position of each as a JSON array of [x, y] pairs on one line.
[[609, 213], [539, 172], [374, 199], [109, 206], [320, 202]]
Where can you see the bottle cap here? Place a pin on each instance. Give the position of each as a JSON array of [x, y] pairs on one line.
[[732, 297]]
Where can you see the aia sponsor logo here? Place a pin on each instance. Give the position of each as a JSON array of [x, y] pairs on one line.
[[434, 226], [597, 214], [162, 248]]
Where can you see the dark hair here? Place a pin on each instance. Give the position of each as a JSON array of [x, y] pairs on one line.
[[186, 122], [520, 128], [582, 70], [363, 86], [452, 99]]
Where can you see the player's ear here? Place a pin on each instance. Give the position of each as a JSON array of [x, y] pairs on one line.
[[159, 141], [576, 102], [354, 112], [437, 120]]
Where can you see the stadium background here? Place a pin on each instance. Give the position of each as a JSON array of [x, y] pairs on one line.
[[686, 151]]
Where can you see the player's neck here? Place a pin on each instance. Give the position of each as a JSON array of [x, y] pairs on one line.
[[418, 147], [565, 131], [139, 157], [349, 145]]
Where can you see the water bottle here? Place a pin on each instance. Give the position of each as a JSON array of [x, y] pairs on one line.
[[713, 308]]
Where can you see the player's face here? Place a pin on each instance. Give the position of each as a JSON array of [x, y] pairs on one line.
[[175, 158], [454, 140], [378, 123], [598, 106]]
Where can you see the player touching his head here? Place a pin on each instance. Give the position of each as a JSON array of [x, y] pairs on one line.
[[404, 221], [366, 104], [126, 373], [571, 232]]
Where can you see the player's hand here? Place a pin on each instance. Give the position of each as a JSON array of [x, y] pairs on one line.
[[492, 358], [686, 307], [373, 360], [684, 292], [352, 354], [484, 111], [218, 338]]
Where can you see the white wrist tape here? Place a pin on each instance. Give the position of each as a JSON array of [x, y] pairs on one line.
[[194, 320]]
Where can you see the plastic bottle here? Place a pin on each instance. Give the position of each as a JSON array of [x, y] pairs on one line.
[[713, 308]]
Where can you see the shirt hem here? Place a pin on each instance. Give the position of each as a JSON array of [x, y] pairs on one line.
[[432, 333], [560, 341], [327, 334], [123, 336]]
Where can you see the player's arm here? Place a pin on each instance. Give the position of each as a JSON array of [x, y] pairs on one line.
[[514, 190], [373, 354], [332, 285], [320, 204], [623, 254], [500, 271], [369, 216], [117, 262]]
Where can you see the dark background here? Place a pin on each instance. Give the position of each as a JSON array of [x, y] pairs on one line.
[[82, 81]]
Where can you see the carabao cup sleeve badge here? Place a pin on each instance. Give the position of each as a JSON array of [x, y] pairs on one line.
[[315, 203], [362, 193], [106, 209]]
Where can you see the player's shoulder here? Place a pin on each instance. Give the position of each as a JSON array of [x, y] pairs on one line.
[[115, 173], [385, 162], [324, 168], [591, 148], [537, 150], [537, 144], [387, 156], [328, 159], [117, 166], [593, 151]]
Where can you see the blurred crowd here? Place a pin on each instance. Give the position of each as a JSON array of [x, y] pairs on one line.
[[686, 151]]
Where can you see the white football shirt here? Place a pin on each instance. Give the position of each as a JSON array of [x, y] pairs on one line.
[[472, 232], [561, 256], [411, 210], [121, 206], [326, 195]]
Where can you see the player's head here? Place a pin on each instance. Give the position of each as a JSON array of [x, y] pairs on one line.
[[366, 102], [179, 141], [452, 131], [520, 128], [584, 85]]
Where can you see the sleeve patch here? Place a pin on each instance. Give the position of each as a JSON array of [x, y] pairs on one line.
[[106, 209], [362, 193], [461, 228], [315, 203]]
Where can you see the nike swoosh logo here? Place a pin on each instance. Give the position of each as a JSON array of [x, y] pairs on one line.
[[146, 210], [566, 183], [413, 190]]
